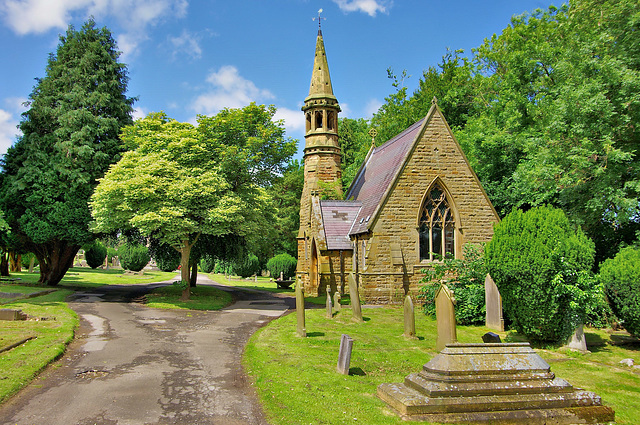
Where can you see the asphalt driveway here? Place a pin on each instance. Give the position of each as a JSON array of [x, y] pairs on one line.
[[130, 364]]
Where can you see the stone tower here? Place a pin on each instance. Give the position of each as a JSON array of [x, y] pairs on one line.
[[321, 159]]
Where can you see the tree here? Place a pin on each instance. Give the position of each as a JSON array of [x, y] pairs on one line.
[[541, 264], [69, 138], [169, 187], [285, 192], [621, 278], [355, 143]]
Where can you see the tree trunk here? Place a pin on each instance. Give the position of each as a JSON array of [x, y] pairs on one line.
[[55, 259], [194, 275], [32, 263], [15, 262], [185, 252], [4, 264]]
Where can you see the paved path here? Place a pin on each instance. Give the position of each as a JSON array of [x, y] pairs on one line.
[[130, 364]]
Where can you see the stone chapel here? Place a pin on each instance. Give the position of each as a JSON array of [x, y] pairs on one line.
[[414, 196]]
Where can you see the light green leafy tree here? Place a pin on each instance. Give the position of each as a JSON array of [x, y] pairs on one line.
[[69, 138], [169, 187]]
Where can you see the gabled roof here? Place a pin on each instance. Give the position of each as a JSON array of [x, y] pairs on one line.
[[378, 173], [337, 219]]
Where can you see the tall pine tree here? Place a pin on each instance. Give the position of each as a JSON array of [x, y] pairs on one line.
[[70, 135]]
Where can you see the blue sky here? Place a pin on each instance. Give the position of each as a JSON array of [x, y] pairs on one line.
[[189, 57]]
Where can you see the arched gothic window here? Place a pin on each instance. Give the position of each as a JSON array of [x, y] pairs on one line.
[[437, 226]]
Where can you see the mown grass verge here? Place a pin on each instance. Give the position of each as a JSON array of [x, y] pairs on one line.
[[19, 365], [84, 277], [202, 298], [262, 283], [297, 381]]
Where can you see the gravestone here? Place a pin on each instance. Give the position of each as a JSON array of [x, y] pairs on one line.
[[302, 331], [344, 355], [577, 340], [329, 306], [355, 299], [336, 301], [491, 338], [11, 314], [409, 318], [445, 317], [493, 304]]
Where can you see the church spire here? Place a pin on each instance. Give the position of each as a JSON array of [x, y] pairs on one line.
[[320, 78]]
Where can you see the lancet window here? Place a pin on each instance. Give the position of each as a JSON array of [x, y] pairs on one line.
[[437, 226]]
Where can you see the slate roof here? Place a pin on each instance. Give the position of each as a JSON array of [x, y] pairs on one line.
[[378, 173], [337, 219]]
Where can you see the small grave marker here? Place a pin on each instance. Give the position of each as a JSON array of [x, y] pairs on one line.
[[344, 356], [493, 305], [329, 306], [336, 301], [409, 318], [445, 317], [302, 330], [355, 299], [491, 337], [577, 340]]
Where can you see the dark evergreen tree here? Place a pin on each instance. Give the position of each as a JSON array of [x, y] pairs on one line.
[[69, 138]]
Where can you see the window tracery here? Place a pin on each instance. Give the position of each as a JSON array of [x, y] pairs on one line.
[[437, 226]]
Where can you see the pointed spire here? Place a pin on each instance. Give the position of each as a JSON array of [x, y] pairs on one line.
[[320, 78]]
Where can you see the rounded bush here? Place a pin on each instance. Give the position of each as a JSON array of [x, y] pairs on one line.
[[95, 254], [207, 263], [246, 267], [621, 278], [541, 265], [133, 256], [167, 257], [282, 263]]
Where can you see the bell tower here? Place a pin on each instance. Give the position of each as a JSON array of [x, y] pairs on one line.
[[322, 172]]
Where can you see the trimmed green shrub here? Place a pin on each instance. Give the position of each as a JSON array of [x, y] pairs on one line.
[[207, 263], [167, 257], [282, 263], [95, 254], [542, 267], [621, 278], [133, 256], [465, 278], [246, 267]]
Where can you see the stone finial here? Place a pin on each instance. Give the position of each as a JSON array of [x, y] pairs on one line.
[[434, 101]]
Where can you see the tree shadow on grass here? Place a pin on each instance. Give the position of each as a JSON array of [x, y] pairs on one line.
[[357, 371], [314, 334]]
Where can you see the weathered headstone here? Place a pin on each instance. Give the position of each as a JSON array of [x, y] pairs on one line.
[[302, 330], [336, 301], [409, 318], [329, 306], [11, 314], [354, 295], [577, 341], [493, 305], [344, 355], [491, 338], [445, 317]]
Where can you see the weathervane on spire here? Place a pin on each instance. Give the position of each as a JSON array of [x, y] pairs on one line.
[[319, 18]]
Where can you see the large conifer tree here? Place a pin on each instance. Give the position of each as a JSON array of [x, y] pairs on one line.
[[70, 135]]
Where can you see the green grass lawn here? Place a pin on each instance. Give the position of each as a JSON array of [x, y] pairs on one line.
[[19, 365], [262, 284], [202, 298], [297, 381]]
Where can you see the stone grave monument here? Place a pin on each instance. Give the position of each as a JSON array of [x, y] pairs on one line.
[[354, 295], [577, 340], [301, 329], [445, 317], [493, 304], [336, 301], [492, 384], [328, 304], [409, 318], [344, 355]]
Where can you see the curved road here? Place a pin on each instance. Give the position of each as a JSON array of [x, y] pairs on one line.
[[130, 364]]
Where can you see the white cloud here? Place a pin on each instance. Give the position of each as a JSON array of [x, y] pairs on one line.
[[346, 110], [133, 16], [186, 43], [139, 113], [370, 7], [230, 90], [293, 119], [372, 107], [8, 130]]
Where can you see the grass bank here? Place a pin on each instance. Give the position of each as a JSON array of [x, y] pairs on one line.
[[84, 277], [297, 381], [202, 298], [49, 329], [261, 283]]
